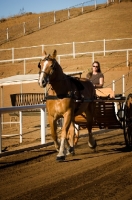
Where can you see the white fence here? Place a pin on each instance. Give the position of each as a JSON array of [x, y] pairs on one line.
[[43, 114], [67, 49], [47, 19], [20, 109], [126, 51]]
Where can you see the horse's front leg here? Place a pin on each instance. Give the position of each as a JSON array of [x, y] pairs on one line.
[[63, 142], [53, 127]]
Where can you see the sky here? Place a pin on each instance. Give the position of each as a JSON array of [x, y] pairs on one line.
[[9, 8]]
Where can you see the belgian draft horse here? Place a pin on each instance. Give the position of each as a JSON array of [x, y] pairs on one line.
[[61, 103]]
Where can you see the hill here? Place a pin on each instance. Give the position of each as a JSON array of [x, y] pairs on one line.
[[111, 22]]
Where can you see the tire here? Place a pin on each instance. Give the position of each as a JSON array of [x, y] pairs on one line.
[[128, 134]]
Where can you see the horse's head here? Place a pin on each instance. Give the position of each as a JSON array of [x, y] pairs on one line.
[[46, 68]]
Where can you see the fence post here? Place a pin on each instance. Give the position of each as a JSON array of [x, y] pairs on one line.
[[39, 23], [24, 30], [107, 2], [24, 66], [42, 48], [20, 115], [113, 85], [95, 4], [43, 125], [12, 55], [73, 49], [58, 59], [92, 57], [68, 13], [104, 46], [127, 58], [82, 8], [54, 17], [7, 34], [123, 85]]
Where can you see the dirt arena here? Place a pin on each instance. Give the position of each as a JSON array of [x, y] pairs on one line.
[[29, 171], [34, 173]]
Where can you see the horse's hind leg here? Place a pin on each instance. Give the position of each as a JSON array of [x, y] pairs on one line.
[[53, 127], [89, 115], [70, 139]]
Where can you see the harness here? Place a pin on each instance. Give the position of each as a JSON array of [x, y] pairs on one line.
[[73, 94]]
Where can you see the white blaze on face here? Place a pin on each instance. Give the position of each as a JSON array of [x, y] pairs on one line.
[[42, 74]]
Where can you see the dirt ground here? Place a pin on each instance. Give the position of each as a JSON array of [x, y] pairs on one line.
[[103, 174]]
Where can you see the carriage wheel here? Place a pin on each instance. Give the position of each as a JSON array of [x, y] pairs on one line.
[[128, 134]]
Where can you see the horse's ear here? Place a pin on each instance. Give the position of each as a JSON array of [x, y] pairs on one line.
[[44, 54], [54, 54]]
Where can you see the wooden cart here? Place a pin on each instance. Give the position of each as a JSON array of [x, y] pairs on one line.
[[110, 114]]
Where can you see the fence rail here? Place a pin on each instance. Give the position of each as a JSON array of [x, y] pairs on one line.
[[67, 49], [74, 55]]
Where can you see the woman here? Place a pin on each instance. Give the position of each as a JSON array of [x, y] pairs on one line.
[[96, 76]]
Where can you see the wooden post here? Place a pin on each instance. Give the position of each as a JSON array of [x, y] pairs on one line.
[[24, 66], [74, 50], [39, 23], [7, 34], [127, 58], [12, 55], [54, 17], [104, 46], [82, 8], [68, 13], [123, 85], [43, 125], [20, 115], [24, 29]]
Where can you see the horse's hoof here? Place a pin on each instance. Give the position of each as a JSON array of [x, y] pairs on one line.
[[60, 158], [92, 146], [71, 150]]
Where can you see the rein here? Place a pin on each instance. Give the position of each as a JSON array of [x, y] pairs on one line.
[[52, 66], [60, 96]]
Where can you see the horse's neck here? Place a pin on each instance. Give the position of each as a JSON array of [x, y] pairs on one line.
[[60, 84]]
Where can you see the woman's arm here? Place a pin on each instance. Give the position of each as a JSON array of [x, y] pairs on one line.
[[101, 83]]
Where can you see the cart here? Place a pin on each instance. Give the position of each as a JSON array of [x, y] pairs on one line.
[[111, 113]]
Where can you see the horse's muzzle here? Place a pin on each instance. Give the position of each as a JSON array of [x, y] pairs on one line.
[[44, 83]]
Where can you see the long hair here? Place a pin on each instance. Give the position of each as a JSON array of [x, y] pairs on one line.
[[99, 68], [128, 100]]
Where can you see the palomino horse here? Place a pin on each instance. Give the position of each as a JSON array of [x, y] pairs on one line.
[[60, 102]]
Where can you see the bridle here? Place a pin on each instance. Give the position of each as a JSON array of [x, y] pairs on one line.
[[52, 66], [47, 78]]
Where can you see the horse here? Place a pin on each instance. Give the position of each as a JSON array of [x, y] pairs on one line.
[[62, 93]]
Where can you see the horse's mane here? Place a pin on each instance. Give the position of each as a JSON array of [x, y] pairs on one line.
[[77, 82]]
